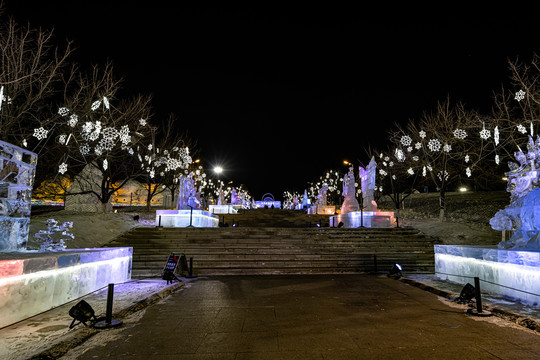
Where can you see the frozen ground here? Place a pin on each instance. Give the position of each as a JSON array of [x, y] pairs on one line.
[[467, 223]]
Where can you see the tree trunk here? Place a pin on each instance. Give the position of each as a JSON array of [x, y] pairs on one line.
[[442, 205]]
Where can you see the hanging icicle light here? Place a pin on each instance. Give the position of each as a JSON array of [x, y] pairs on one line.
[[496, 135]]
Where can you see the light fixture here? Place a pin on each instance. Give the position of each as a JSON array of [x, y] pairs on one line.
[[218, 169], [395, 272], [83, 313], [466, 294]]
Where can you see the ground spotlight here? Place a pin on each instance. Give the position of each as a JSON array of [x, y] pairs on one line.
[[395, 272], [83, 313], [467, 294]]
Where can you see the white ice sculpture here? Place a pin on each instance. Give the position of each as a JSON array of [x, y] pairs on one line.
[[17, 170], [234, 197], [187, 195], [367, 177], [322, 196], [350, 204], [524, 187], [52, 239]]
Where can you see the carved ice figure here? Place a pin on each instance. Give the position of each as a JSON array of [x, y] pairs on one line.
[[17, 170], [367, 178], [187, 194], [350, 204], [234, 197], [321, 196], [221, 196], [52, 241], [523, 214]]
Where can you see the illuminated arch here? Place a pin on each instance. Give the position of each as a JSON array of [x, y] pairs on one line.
[[270, 197]]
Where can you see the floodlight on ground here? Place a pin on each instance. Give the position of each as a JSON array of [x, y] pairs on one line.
[[83, 313], [466, 294], [395, 271]]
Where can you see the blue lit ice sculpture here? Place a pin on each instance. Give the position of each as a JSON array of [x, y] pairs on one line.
[[524, 187], [17, 170], [187, 195]]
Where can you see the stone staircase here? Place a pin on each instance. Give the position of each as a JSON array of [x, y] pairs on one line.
[[278, 250]]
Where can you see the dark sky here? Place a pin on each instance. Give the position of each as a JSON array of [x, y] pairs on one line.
[[278, 95]]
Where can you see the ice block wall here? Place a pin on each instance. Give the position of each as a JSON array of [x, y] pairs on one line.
[[511, 273], [17, 171], [31, 283]]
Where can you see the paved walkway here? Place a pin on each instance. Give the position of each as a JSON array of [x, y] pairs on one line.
[[309, 317]]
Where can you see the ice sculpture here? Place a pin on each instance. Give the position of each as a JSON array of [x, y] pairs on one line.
[[367, 177], [350, 204], [52, 241], [321, 196], [17, 170], [187, 196], [524, 188]]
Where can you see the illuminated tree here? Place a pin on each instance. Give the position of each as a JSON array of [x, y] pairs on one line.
[[446, 146]]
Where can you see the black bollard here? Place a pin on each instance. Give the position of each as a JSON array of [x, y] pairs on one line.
[[108, 322], [477, 294], [478, 311]]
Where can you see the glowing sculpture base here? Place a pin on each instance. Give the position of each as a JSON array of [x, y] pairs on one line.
[[185, 218], [222, 209], [369, 219], [32, 282], [504, 269], [322, 210]]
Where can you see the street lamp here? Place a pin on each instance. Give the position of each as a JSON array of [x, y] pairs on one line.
[[218, 170]]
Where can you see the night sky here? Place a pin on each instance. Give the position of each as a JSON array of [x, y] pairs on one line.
[[277, 95]]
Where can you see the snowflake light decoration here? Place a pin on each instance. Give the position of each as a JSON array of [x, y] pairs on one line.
[[95, 105], [422, 134], [418, 145], [63, 111], [460, 134], [440, 175], [84, 149], [62, 168], [73, 120], [468, 172], [105, 164], [467, 158], [520, 95], [40, 133], [434, 145], [62, 139], [447, 148], [485, 134], [142, 122], [124, 136], [106, 102], [424, 171], [400, 156], [410, 171], [522, 129], [496, 135], [406, 140], [497, 160], [382, 172]]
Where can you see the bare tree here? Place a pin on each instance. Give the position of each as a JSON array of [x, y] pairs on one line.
[[448, 145], [34, 73]]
